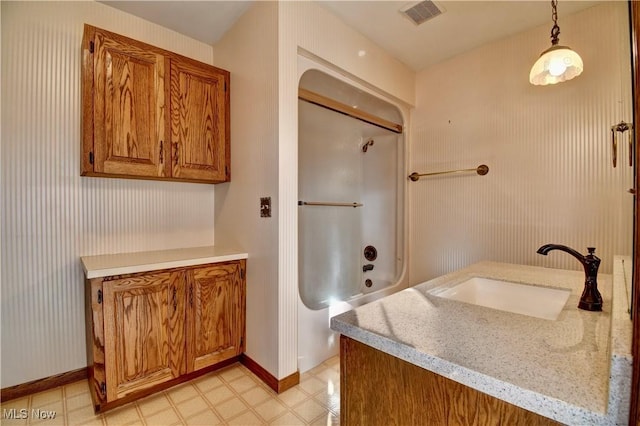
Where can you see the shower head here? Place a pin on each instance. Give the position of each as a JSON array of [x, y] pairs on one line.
[[367, 145]]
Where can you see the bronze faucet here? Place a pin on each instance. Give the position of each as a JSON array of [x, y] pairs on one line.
[[591, 300]]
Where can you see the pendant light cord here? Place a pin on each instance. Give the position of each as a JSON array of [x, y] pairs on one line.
[[555, 30]]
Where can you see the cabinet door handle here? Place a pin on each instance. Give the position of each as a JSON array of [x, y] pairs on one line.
[[176, 146], [191, 295], [175, 299], [161, 151]]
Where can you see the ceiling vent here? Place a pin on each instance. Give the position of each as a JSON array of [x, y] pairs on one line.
[[421, 12]]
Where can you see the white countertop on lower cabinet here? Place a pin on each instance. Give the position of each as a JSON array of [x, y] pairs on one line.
[[129, 263], [575, 370]]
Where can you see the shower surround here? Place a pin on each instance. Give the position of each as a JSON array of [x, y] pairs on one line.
[[351, 214]]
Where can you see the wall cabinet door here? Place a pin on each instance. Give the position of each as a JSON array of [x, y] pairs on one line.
[[150, 113], [199, 121], [144, 332], [215, 314], [129, 112]]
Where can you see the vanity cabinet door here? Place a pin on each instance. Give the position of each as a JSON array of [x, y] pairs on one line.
[[147, 331], [215, 314], [125, 116], [199, 121], [144, 331]]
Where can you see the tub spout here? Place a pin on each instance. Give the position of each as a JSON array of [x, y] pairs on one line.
[[591, 300], [368, 267]]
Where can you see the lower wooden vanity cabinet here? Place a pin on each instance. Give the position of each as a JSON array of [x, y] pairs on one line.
[[148, 331], [377, 388]]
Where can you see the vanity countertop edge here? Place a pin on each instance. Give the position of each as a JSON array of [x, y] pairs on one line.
[[104, 265], [420, 328]]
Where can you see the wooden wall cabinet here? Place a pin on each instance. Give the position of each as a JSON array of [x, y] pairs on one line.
[[149, 331], [152, 114]]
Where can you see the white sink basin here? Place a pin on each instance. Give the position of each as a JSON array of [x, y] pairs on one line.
[[535, 301]]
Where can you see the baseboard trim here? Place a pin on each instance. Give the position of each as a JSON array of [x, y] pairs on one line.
[[24, 389], [101, 407], [278, 386], [35, 386]]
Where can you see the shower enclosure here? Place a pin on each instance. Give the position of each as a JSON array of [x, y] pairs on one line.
[[350, 210]]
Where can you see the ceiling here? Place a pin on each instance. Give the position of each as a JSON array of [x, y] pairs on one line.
[[463, 26]]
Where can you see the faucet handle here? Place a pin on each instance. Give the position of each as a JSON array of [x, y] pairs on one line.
[[593, 260]]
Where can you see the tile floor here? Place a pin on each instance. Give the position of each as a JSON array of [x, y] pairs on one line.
[[231, 396]]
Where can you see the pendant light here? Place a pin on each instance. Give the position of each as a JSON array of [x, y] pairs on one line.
[[557, 63]]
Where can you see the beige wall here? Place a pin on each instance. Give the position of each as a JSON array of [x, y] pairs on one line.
[[550, 178], [261, 52], [306, 27], [50, 216], [250, 52], [55, 216], [548, 150]]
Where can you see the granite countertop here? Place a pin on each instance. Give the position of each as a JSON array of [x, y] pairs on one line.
[[559, 369], [144, 261]]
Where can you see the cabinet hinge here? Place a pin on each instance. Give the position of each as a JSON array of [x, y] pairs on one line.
[[241, 341], [103, 388], [91, 47], [161, 151], [225, 86], [90, 157], [99, 296], [242, 273]]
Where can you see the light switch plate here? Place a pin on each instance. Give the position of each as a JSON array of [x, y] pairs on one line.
[[265, 206]]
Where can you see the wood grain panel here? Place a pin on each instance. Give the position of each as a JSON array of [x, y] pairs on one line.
[[379, 389], [162, 386], [216, 319], [149, 113], [128, 116], [40, 385], [87, 88], [199, 121], [634, 418], [129, 108], [95, 339], [278, 385], [149, 329], [140, 315]]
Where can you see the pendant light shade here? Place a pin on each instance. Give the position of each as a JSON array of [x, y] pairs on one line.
[[557, 63]]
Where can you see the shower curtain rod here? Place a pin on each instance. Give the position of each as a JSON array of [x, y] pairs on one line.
[[333, 105]]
